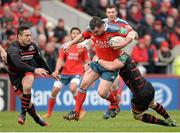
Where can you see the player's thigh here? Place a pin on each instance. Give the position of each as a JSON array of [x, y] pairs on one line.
[[104, 87], [27, 81], [88, 78]]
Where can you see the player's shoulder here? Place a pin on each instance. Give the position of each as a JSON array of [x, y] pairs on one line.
[[105, 20], [112, 27], [121, 21], [14, 47]]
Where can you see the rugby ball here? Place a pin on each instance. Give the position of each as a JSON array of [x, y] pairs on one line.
[[116, 40]]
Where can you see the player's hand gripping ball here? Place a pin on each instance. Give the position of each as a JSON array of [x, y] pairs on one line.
[[115, 42]]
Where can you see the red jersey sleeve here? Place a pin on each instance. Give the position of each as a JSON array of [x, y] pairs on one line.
[[87, 34]]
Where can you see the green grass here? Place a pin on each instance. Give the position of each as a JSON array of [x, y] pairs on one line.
[[93, 122]]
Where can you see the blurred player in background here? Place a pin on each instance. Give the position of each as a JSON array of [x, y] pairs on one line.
[[111, 13], [100, 32], [143, 91], [24, 61], [72, 65]]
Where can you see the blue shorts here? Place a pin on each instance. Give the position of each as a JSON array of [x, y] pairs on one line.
[[104, 73], [66, 79]]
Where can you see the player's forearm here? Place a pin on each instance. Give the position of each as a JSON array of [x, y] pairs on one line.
[[129, 38], [78, 39], [107, 64], [41, 63], [59, 65]]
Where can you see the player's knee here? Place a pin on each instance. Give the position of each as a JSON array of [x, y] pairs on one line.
[[138, 116], [153, 104], [26, 91], [55, 91], [73, 87], [58, 84], [102, 93]]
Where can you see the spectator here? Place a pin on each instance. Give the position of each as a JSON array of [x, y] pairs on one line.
[[152, 54], [51, 55], [24, 19], [163, 12], [90, 7], [139, 52], [49, 31], [165, 55], [134, 15], [174, 13], [158, 34], [175, 36], [101, 12], [146, 25], [37, 19], [42, 44], [123, 9], [60, 32], [169, 28]]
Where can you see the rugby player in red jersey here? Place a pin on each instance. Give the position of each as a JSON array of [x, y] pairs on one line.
[[100, 32], [111, 13], [72, 65]]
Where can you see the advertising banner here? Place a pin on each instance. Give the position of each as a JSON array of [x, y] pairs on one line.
[[166, 93], [4, 94]]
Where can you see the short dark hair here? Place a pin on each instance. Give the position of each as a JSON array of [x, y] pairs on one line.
[[22, 28], [112, 6], [75, 28], [95, 22]]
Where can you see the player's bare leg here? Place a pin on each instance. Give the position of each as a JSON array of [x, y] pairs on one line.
[[52, 101], [73, 87], [115, 90], [161, 110], [104, 92], [89, 77]]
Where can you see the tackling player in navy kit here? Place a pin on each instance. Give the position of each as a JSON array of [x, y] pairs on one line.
[[24, 61], [143, 91]]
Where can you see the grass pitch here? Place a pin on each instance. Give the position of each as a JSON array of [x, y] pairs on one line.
[[92, 122]]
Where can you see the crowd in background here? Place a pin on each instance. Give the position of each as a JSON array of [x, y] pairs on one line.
[[156, 21]]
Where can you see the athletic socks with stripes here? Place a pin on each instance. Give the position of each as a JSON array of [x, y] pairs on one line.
[[153, 120], [160, 110], [25, 102]]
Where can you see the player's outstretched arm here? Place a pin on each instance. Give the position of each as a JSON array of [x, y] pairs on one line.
[[59, 65], [76, 40]]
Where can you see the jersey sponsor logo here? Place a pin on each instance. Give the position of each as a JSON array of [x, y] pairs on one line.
[[27, 57], [163, 93], [123, 30], [73, 56], [102, 43]]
